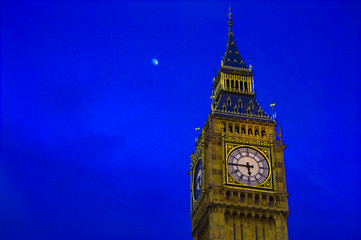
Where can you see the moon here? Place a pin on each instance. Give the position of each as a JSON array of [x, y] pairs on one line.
[[155, 62]]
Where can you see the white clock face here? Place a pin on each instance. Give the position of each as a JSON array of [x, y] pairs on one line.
[[248, 166]]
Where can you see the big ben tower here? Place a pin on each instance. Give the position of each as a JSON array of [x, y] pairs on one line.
[[238, 183]]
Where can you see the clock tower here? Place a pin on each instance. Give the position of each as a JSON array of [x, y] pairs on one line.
[[238, 183]]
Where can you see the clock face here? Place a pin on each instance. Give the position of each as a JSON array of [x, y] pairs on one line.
[[198, 180], [248, 166]]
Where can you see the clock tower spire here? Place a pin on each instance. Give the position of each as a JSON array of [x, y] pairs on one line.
[[238, 183]]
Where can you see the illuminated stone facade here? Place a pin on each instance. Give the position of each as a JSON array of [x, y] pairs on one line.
[[238, 183]]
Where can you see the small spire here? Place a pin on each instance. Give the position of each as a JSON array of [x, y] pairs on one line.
[[250, 63]]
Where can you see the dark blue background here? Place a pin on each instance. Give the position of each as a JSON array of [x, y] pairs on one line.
[[95, 139]]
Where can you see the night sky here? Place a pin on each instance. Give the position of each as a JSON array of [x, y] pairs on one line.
[[96, 139]]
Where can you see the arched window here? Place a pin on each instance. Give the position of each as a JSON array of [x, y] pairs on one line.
[[245, 86], [256, 199], [241, 85], [235, 109], [249, 131], [249, 198], [240, 103], [263, 133], [232, 84], [228, 195], [236, 84], [251, 105], [248, 111], [236, 128], [227, 81], [224, 108], [229, 102], [241, 197], [230, 128], [256, 133], [243, 130]]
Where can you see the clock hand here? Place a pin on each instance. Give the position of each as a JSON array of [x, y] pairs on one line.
[[244, 165], [248, 167]]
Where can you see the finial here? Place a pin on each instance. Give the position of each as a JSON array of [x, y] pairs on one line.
[[229, 15]]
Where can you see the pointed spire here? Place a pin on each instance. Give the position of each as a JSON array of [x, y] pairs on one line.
[[232, 58]]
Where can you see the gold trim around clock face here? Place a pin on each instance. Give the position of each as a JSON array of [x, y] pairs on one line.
[[248, 166], [229, 180]]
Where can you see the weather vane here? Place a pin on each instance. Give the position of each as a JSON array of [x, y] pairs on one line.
[[197, 129], [273, 104]]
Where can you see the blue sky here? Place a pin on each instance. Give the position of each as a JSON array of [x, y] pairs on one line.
[[95, 139]]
